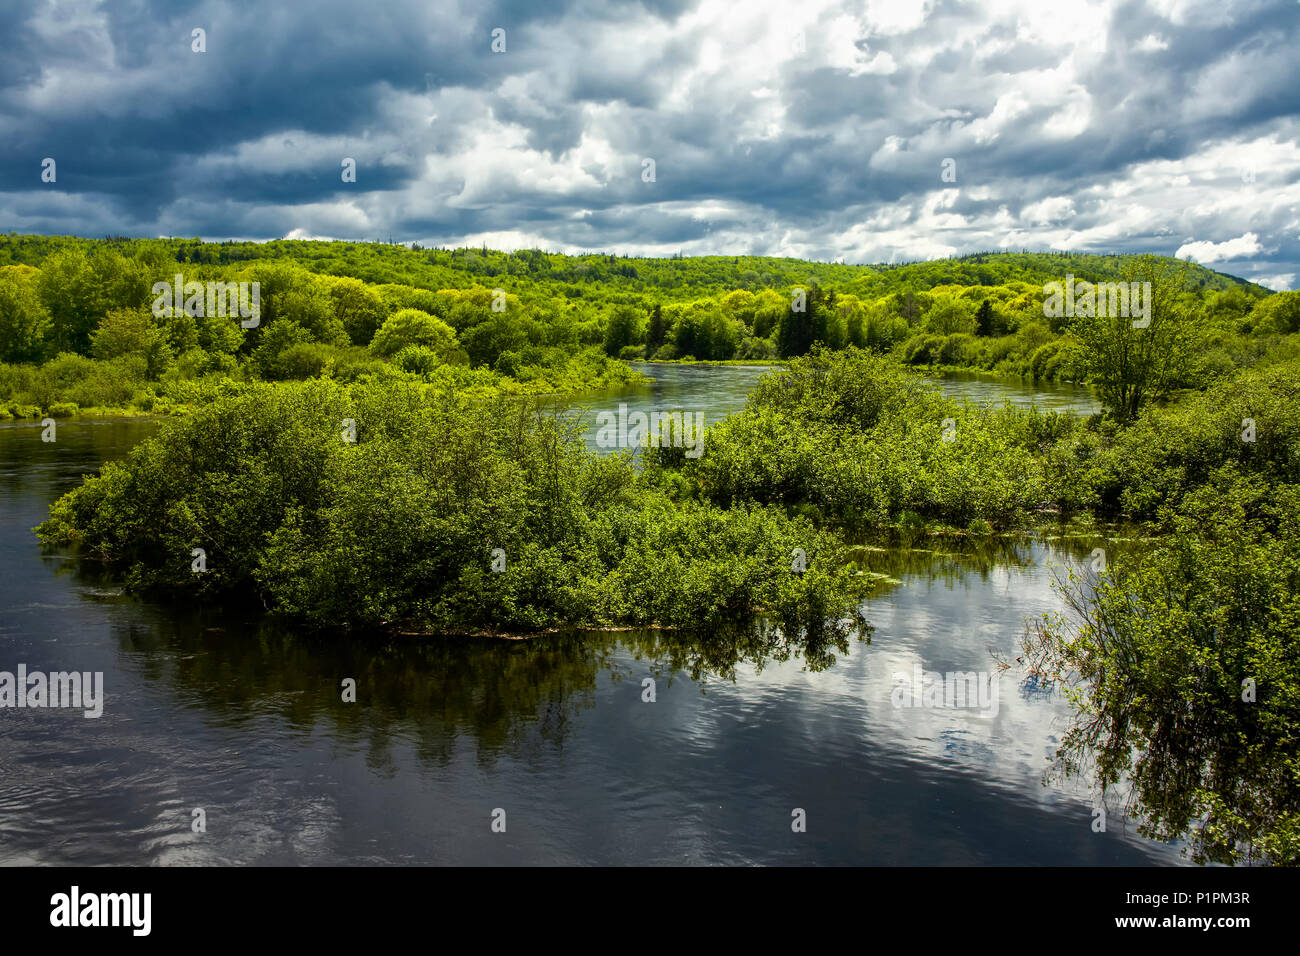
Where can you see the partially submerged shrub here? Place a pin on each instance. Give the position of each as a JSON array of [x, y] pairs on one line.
[[444, 513]]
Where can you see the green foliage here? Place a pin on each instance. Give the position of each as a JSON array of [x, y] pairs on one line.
[[397, 297], [702, 329], [422, 360], [309, 305], [624, 330], [1278, 313], [133, 332], [304, 360], [1250, 423], [398, 528], [1133, 363], [655, 331], [948, 315], [1186, 670], [77, 289], [981, 312], [282, 335], [358, 307], [115, 383], [487, 339], [24, 320], [412, 327], [863, 441]]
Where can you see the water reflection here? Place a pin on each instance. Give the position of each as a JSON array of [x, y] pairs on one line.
[[719, 391], [986, 389]]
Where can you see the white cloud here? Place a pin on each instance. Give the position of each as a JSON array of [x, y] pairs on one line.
[[1052, 209], [1206, 252], [1278, 283], [889, 17]]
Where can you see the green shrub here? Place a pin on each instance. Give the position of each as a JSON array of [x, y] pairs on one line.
[[507, 363], [281, 336], [413, 327], [1168, 452], [111, 384], [305, 360], [957, 349], [400, 528], [922, 349], [1184, 664], [417, 359], [133, 332], [15, 381], [863, 440]]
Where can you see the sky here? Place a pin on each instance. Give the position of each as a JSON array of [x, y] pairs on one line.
[[861, 132]]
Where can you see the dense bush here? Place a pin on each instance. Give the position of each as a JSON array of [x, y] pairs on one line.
[[412, 327], [400, 527], [1250, 422], [862, 441], [24, 320], [1184, 664]]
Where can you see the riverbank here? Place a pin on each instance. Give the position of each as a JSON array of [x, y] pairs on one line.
[[70, 410], [722, 363], [972, 373], [184, 397]]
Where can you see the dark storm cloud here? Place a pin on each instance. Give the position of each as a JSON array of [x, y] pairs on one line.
[[817, 129]]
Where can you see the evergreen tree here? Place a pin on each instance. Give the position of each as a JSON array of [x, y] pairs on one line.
[[820, 309], [655, 333], [909, 309], [795, 333]]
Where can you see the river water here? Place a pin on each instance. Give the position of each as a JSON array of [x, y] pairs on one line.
[[720, 390], [229, 714]]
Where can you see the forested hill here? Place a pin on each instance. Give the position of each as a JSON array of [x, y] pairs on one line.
[[547, 322], [606, 277], [998, 268]]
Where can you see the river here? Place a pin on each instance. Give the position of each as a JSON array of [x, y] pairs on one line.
[[242, 719], [720, 390]]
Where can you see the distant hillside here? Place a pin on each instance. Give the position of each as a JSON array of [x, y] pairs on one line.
[[997, 268], [82, 327], [596, 276], [607, 277]]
